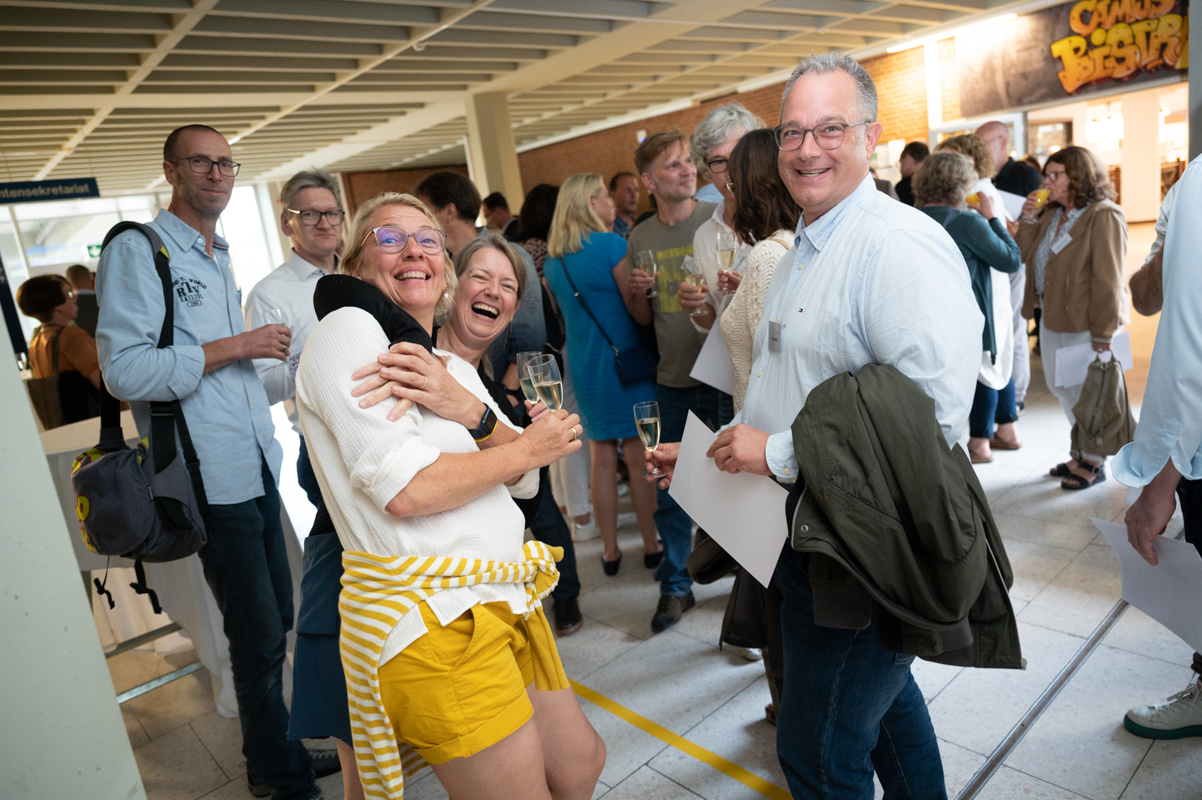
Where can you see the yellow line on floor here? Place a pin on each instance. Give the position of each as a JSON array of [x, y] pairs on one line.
[[748, 779]]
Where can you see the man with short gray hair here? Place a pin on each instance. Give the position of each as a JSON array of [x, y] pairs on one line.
[[868, 281], [311, 215]]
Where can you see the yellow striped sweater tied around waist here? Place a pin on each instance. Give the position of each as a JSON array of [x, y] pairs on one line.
[[377, 591]]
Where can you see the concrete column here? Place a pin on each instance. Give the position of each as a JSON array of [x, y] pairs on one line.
[[492, 154], [934, 86], [1141, 156], [59, 720], [1195, 103]]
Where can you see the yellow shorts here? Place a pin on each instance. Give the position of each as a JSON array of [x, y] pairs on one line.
[[462, 688]]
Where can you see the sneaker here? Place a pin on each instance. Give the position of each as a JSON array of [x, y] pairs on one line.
[[1178, 718], [628, 519], [324, 755], [623, 490], [749, 653], [582, 533], [566, 612], [670, 609]]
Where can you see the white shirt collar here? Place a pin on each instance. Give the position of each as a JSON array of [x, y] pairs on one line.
[[304, 268]]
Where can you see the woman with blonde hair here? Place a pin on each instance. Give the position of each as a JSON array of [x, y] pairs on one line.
[[586, 270], [448, 656]]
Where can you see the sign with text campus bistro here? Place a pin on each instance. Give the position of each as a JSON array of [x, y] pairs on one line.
[[33, 191], [1071, 50]]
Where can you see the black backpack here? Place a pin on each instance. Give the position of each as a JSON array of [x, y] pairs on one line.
[[146, 503]]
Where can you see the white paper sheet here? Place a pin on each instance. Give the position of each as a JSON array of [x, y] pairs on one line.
[[1072, 363], [744, 513], [1171, 591], [713, 366], [1013, 203]]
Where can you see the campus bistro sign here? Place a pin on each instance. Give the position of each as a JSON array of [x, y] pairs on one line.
[[1071, 49]]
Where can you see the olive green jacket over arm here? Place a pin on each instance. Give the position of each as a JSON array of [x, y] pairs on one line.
[[898, 526]]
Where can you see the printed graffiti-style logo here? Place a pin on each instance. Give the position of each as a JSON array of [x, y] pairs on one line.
[[1116, 38], [189, 291]]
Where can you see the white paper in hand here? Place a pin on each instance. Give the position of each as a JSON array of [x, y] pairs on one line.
[[1013, 203], [1171, 591], [744, 513], [1072, 363], [713, 366]]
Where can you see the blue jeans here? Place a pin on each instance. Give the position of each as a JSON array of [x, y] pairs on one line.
[[674, 525], [990, 406], [549, 528], [246, 565], [305, 475], [848, 706]]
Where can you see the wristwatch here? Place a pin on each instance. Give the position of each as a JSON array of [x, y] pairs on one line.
[[488, 424]]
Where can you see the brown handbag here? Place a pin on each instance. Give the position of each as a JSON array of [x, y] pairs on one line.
[[43, 392], [1104, 419]]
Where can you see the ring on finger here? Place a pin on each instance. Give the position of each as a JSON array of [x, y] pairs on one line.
[[574, 434], [425, 380]]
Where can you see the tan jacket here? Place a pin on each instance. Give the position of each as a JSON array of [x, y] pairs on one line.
[[1083, 283]]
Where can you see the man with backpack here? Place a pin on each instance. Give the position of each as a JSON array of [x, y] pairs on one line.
[[209, 370]]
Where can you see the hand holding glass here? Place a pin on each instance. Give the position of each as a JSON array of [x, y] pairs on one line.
[[693, 277], [726, 253], [645, 260], [646, 421]]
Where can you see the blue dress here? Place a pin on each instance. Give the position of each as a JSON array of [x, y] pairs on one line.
[[606, 406]]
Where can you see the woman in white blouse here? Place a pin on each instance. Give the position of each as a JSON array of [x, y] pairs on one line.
[[454, 671], [766, 215]]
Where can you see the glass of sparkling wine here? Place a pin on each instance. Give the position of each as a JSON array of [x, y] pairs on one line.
[[548, 386], [726, 254], [646, 420], [694, 277], [645, 260], [523, 361]]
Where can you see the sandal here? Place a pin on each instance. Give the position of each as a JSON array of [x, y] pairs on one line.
[[1074, 482], [1002, 444], [1061, 470]]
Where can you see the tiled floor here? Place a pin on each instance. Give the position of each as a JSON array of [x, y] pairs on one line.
[[1066, 582]]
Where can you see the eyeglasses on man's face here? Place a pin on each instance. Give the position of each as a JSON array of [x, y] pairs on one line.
[[717, 166], [828, 135], [201, 165], [393, 240], [310, 217]]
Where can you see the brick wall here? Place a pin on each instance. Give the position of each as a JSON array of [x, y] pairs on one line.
[[901, 94], [362, 186], [612, 150]]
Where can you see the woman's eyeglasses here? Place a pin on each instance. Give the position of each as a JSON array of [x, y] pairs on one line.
[[393, 240]]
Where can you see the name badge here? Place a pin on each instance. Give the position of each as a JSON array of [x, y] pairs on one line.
[[774, 337], [1061, 242]]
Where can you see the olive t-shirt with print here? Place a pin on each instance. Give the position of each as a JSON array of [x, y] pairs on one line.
[[679, 342]]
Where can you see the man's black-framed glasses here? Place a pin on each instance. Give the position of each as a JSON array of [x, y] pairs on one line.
[[828, 135], [201, 165], [393, 240], [310, 217]]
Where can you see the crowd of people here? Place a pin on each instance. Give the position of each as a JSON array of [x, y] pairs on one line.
[[402, 342]]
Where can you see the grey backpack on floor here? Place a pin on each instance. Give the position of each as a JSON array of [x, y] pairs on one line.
[[147, 503]]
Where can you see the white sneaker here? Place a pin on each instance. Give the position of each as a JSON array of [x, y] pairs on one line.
[[627, 519], [749, 653], [582, 533], [623, 490], [1178, 718]]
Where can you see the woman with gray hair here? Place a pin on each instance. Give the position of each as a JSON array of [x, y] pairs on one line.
[[940, 187], [715, 240]]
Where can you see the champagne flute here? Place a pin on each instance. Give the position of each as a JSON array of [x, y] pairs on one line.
[[646, 421], [694, 277], [726, 254], [523, 361], [544, 375], [645, 259]]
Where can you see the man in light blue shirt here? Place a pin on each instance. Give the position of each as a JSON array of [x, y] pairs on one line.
[[209, 369], [868, 281], [1166, 456]]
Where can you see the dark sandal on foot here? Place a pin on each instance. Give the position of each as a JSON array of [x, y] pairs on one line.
[[1074, 482], [1061, 470], [611, 567]]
